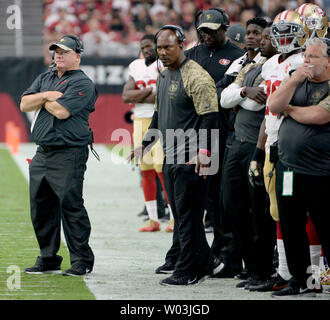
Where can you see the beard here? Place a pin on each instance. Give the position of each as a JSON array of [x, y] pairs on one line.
[[149, 60]]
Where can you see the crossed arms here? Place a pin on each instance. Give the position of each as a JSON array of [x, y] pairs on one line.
[[47, 99]]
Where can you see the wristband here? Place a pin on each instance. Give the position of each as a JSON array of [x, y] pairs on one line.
[[205, 151], [258, 155], [243, 93]]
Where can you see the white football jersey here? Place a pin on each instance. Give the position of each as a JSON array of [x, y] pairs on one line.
[[144, 77], [274, 72]]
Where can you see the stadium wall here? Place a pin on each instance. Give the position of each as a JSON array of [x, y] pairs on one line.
[[109, 75]]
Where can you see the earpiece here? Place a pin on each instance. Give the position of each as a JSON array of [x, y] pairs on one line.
[[80, 45], [178, 31], [224, 14]]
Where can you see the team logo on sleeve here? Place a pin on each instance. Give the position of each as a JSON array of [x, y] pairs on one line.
[[224, 62]]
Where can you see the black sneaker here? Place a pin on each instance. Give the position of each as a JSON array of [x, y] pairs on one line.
[[76, 271], [225, 272], [41, 267], [143, 212], [254, 282], [274, 284], [294, 291], [182, 281], [280, 283], [243, 275], [262, 286], [242, 284], [318, 288], [217, 266], [166, 268]]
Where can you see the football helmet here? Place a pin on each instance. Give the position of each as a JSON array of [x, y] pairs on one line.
[[288, 31], [315, 18]]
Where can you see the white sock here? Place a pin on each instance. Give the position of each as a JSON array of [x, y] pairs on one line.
[[170, 211], [315, 251], [283, 269], [152, 209]]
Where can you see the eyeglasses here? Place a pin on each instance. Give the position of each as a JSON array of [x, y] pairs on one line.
[[207, 31]]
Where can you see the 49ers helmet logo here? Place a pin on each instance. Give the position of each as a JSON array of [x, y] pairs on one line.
[[224, 62]]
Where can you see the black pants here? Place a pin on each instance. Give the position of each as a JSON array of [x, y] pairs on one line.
[[253, 228], [310, 194], [224, 244], [56, 186], [187, 192]]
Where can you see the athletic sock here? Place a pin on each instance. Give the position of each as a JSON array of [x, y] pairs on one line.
[[149, 187], [151, 207], [283, 269]]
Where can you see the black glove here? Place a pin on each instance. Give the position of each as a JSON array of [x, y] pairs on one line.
[[256, 177]]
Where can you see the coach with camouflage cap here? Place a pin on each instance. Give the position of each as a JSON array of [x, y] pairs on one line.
[[62, 99]]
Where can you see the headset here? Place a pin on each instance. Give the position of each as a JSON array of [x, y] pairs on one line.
[[79, 43], [177, 30], [179, 34], [79, 47], [327, 42]]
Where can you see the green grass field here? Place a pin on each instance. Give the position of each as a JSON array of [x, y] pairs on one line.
[[19, 247]]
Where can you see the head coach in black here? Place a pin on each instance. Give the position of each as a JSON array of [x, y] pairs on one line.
[[62, 99], [186, 101], [303, 168]]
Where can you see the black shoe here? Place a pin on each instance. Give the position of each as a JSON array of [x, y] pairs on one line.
[[318, 288], [182, 281], [217, 266], [242, 284], [143, 212], [294, 291], [41, 266], [164, 218], [243, 275], [225, 272], [263, 285], [166, 268], [254, 282], [76, 271], [274, 284]]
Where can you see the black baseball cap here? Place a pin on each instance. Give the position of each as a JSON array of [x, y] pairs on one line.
[[66, 43], [213, 19], [236, 32]]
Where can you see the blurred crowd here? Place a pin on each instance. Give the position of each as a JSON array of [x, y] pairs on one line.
[[115, 27]]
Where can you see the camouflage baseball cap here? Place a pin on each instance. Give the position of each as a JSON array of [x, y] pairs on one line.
[[213, 19]]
